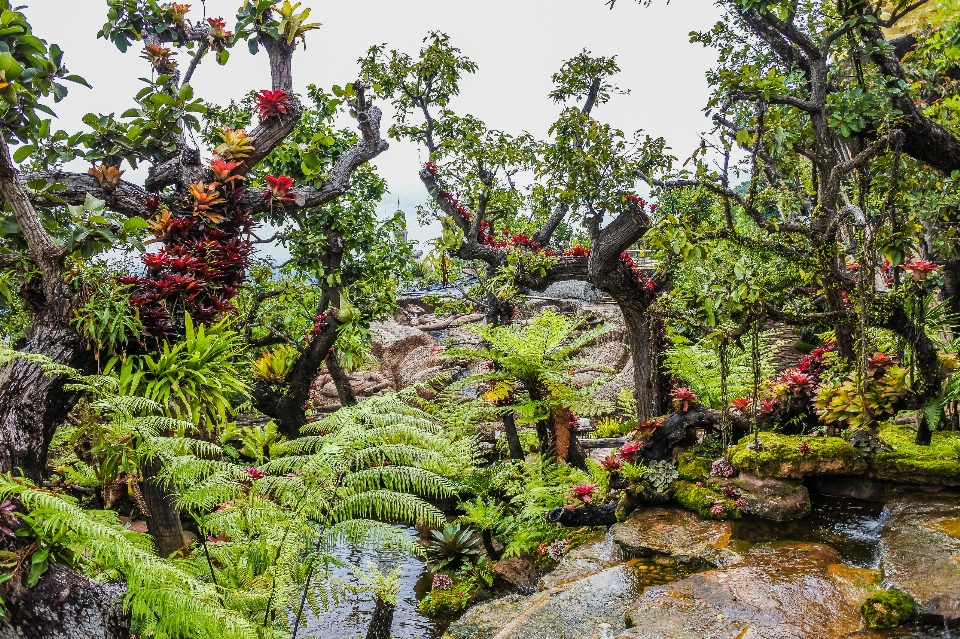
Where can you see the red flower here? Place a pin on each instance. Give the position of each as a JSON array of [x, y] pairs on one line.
[[272, 103], [767, 407], [919, 270], [279, 188], [740, 404], [611, 463], [880, 363], [254, 472], [682, 398], [797, 381]]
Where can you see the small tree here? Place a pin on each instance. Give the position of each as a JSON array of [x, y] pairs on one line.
[[531, 377]]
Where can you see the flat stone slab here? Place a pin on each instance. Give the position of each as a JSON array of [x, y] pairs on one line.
[[920, 550], [573, 610], [583, 561], [677, 533], [788, 591]]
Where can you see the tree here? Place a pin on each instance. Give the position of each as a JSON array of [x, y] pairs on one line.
[[587, 170], [189, 204], [839, 153]]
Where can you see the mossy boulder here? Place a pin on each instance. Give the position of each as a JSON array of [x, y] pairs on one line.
[[786, 457], [938, 463], [701, 500], [446, 603], [888, 609], [693, 468]]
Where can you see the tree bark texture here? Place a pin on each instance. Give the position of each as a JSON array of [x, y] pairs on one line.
[[513, 437], [340, 380], [163, 520]]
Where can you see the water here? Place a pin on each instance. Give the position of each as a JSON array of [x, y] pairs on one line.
[[351, 617], [850, 526]]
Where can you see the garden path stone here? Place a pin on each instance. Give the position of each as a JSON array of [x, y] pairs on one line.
[[676, 533]]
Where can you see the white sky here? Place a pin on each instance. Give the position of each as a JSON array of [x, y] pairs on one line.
[[518, 45]]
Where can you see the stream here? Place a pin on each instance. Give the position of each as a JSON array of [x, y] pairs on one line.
[[850, 526]]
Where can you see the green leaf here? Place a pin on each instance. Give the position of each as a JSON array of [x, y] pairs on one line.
[[23, 153]]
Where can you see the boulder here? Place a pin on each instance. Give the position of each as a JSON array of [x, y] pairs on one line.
[[788, 591], [775, 499], [920, 551], [678, 534], [785, 457], [582, 561], [515, 572], [572, 610], [936, 464]]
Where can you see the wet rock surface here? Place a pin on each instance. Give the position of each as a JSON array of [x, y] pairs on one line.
[[582, 561], [920, 550], [786, 591], [573, 610], [775, 499], [517, 573], [678, 534]]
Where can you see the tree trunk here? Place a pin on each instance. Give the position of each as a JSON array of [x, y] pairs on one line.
[[513, 438], [487, 538], [33, 404], [645, 338], [924, 434], [340, 380], [163, 520]]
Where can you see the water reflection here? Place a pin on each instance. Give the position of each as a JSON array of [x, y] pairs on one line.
[[351, 618]]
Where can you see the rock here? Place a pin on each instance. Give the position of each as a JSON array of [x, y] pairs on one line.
[[515, 572], [573, 610], [572, 289], [676, 533], [920, 551], [781, 456], [789, 591], [846, 486], [938, 463], [582, 561], [773, 498], [611, 390]]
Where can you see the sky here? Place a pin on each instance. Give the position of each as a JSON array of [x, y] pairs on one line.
[[518, 45]]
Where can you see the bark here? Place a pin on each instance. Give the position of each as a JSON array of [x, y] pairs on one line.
[[605, 515], [487, 538], [513, 438], [340, 380], [33, 404], [644, 336], [163, 520], [64, 605]]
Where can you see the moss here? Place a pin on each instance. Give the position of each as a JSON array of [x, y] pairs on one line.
[[445, 603], [693, 468], [701, 499], [938, 463], [888, 609], [782, 456]]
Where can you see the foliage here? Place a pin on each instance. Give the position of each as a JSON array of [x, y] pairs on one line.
[[108, 322], [537, 357], [843, 403], [453, 546], [275, 365], [196, 379], [697, 365], [888, 609]]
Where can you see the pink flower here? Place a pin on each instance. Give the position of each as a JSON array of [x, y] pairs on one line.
[[919, 270], [582, 492], [254, 472], [611, 463], [630, 451], [722, 468], [442, 582], [741, 503], [716, 510], [804, 449]]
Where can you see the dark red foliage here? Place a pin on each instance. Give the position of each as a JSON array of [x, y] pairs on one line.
[[813, 363], [198, 270]]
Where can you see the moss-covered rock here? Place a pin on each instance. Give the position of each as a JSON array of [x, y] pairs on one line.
[[701, 500], [693, 468], [786, 457], [445, 603], [888, 609], [938, 463]]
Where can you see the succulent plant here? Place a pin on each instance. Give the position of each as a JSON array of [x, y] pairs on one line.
[[660, 475], [454, 546]]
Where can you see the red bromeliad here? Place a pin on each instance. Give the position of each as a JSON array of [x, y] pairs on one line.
[[272, 103], [279, 188], [682, 398]]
